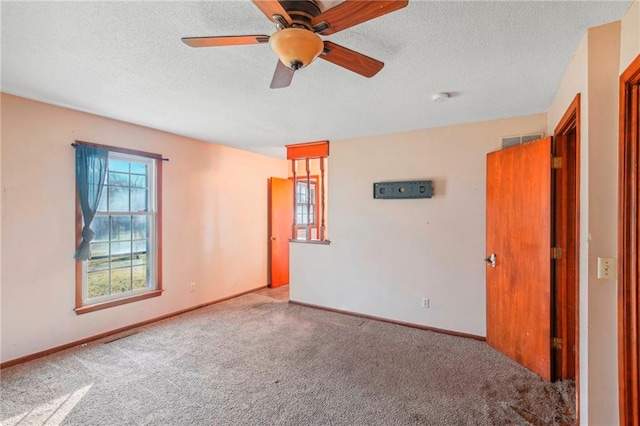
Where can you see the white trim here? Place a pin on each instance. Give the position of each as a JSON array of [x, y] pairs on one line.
[[151, 213]]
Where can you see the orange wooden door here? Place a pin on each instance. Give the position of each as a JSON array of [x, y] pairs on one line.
[[280, 221], [519, 235]]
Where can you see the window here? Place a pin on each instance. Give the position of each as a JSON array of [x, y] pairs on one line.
[[306, 202], [125, 252]]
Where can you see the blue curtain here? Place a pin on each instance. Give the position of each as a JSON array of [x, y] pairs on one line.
[[91, 171]]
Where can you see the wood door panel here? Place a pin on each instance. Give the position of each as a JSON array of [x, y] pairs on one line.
[[280, 220], [519, 233]]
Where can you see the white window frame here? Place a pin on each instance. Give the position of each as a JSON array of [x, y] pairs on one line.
[[302, 182], [152, 256]]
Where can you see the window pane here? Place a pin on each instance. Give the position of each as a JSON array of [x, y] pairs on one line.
[[139, 181], [100, 226], [118, 179], [120, 280], [120, 227], [118, 166], [118, 199], [121, 261], [140, 247], [140, 277], [138, 200], [140, 228], [121, 249], [98, 284], [97, 264], [99, 250], [139, 168], [302, 191], [139, 258]]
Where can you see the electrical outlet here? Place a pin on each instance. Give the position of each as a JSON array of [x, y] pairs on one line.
[[425, 302], [606, 268], [192, 287]]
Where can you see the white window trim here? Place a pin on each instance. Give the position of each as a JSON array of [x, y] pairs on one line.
[[152, 257]]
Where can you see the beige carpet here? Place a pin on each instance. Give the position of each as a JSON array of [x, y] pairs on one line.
[[257, 360]]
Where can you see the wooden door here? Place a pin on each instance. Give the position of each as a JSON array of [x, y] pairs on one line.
[[519, 235], [280, 220]]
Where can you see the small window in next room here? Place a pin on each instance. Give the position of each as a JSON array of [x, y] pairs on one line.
[[124, 257], [306, 206]]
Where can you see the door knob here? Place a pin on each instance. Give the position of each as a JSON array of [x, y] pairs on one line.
[[491, 260]]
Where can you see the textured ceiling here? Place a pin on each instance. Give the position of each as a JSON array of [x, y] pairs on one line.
[[125, 60]]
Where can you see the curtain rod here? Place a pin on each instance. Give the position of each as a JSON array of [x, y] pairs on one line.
[[118, 149]]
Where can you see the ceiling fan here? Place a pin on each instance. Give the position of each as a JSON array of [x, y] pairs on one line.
[[296, 41]]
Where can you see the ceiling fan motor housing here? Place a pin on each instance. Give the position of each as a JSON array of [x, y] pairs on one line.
[[301, 12]]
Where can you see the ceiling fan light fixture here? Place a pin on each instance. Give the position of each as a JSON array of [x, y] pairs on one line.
[[296, 47]]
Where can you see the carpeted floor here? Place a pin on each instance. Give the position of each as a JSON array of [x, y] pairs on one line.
[[257, 360]]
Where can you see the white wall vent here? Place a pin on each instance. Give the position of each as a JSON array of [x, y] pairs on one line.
[[508, 141]]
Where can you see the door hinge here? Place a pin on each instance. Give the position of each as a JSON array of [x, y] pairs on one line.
[[556, 162], [556, 253], [556, 342]]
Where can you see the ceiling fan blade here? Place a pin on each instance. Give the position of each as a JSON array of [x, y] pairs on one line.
[[282, 76], [272, 7], [353, 61], [354, 12], [225, 40]]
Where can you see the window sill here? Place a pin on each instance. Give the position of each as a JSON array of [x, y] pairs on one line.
[[104, 305], [325, 242]]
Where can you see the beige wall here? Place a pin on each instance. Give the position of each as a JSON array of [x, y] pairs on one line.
[[215, 223], [630, 37], [594, 73], [385, 255], [604, 60]]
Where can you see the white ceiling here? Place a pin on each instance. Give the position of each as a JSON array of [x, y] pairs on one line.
[[125, 60]]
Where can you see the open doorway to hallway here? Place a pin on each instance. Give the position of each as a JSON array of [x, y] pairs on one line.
[[278, 293]]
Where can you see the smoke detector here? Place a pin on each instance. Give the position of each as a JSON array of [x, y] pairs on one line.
[[441, 97]]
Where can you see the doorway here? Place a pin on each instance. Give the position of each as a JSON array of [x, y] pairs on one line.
[[566, 236], [628, 246], [280, 220]]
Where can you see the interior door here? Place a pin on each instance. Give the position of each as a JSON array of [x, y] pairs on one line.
[[519, 254], [280, 222]]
